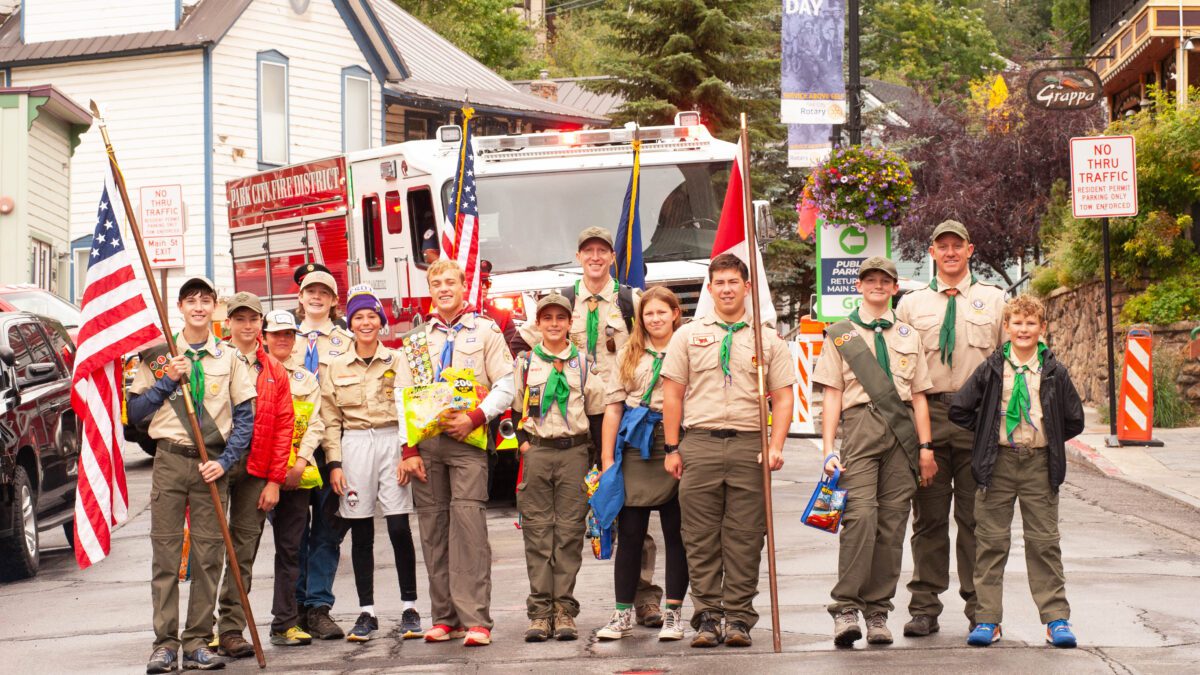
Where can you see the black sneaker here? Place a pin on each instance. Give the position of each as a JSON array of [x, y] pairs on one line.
[[708, 633], [410, 624], [202, 658], [162, 660], [320, 626], [363, 628]]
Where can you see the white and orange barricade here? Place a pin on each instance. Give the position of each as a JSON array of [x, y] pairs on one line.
[[1135, 404], [805, 349]]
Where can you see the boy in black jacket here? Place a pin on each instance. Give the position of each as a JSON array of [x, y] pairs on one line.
[[1023, 408]]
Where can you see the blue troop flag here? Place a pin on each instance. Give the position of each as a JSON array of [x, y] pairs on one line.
[[631, 268]]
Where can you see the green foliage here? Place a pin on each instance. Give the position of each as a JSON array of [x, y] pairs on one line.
[[485, 29], [1174, 299], [1171, 409], [1044, 281], [1070, 21], [580, 44], [1168, 151], [788, 262]]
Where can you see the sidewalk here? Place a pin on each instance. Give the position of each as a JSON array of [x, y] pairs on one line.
[[1172, 470]]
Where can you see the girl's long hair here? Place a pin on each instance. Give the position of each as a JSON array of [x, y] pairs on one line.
[[631, 354]]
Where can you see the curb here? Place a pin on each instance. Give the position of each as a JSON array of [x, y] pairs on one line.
[[1086, 453]]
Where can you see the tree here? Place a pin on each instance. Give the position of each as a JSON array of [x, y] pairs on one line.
[[485, 29], [579, 43], [1070, 21]]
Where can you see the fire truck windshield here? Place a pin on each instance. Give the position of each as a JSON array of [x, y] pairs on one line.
[[533, 220]]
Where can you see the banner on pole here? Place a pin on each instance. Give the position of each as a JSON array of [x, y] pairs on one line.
[[812, 88], [840, 252], [808, 144]]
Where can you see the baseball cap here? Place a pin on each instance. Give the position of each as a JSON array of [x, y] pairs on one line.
[[319, 277], [554, 298], [281, 320], [878, 262], [952, 227], [595, 233], [196, 284], [243, 300]]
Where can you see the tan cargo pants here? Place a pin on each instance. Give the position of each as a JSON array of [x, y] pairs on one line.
[[245, 528], [552, 501]]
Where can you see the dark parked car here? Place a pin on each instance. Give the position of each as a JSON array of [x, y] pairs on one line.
[[39, 438], [30, 298]]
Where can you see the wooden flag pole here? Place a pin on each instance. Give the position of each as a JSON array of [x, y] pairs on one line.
[[752, 249], [119, 180]]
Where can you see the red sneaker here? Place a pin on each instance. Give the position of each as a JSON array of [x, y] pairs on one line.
[[478, 636]]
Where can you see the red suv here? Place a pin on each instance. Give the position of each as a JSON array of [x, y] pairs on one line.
[[35, 300]]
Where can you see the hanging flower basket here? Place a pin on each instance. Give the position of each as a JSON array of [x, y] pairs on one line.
[[862, 186]]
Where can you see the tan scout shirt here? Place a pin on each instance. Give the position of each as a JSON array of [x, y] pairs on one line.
[[552, 425], [977, 328], [618, 393], [305, 388], [358, 395], [331, 341], [693, 359], [910, 372], [228, 381], [1031, 436], [478, 345]]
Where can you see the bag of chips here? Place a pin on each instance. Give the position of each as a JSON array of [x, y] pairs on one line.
[[426, 404], [827, 504], [311, 477]]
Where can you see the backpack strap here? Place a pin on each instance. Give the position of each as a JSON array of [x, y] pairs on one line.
[[624, 302]]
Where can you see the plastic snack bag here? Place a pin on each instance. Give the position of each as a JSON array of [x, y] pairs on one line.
[[311, 478], [425, 404], [826, 506], [603, 539]]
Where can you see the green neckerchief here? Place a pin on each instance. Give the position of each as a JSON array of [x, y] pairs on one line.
[[727, 344], [1019, 404], [593, 317], [196, 378], [881, 350], [557, 389], [946, 336], [654, 373]]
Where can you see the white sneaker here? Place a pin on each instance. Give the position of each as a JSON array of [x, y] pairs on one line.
[[620, 625], [672, 628]]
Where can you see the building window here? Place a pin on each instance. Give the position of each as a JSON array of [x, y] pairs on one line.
[[356, 109], [272, 108], [41, 264]]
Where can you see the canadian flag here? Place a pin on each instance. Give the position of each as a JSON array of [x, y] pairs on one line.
[[731, 238]]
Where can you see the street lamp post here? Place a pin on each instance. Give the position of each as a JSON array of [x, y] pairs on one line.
[[854, 88]]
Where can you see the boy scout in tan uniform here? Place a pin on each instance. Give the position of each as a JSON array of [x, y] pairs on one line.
[[959, 322], [874, 373], [710, 371], [553, 397], [320, 343]]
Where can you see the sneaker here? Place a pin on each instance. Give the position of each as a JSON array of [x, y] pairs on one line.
[[846, 630], [984, 634], [1058, 633], [478, 636], [233, 644], [162, 660], [202, 658], [410, 624], [737, 634], [564, 625], [438, 633], [291, 637], [877, 629], [321, 626], [620, 625], [709, 633], [922, 625], [363, 628], [672, 628], [650, 615], [539, 630]]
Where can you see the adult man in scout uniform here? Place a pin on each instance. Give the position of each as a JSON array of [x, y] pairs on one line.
[[959, 320], [222, 391], [450, 490], [711, 386], [875, 376]]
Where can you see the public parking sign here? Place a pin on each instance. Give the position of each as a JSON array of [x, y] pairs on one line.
[[1103, 177], [840, 252]]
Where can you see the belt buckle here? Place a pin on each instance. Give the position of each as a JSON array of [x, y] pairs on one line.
[[562, 443]]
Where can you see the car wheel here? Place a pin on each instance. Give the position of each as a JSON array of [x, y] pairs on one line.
[[19, 550], [69, 530]]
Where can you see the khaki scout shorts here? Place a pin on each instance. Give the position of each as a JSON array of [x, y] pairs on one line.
[[369, 460]]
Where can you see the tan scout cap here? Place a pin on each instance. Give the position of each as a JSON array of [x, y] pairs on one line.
[[554, 299], [878, 262], [319, 277], [595, 233], [952, 227], [243, 300], [281, 321]]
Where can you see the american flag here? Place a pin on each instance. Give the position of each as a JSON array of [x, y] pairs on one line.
[[465, 249], [116, 321]]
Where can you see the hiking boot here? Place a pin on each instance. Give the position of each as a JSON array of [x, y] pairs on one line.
[[1058, 633], [737, 634], [231, 643], [478, 636], [410, 624], [878, 632], [564, 625], [650, 615], [202, 658], [321, 626], [709, 633], [672, 628], [363, 628], [539, 630], [620, 625], [292, 637], [984, 634], [922, 625], [162, 660], [846, 630]]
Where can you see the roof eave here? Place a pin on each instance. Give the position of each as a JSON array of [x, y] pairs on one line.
[[424, 101], [163, 49]]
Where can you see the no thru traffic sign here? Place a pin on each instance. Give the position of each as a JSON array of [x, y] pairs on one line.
[[1103, 177]]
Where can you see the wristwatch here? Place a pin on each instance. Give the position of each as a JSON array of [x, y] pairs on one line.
[[671, 449], [926, 446]]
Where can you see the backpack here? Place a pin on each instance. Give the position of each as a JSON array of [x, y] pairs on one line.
[[624, 302]]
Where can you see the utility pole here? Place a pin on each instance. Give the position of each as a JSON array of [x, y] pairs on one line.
[[854, 88]]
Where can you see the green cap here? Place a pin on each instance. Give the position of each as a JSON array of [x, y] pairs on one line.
[[243, 300], [595, 233], [554, 298], [952, 227], [878, 262]]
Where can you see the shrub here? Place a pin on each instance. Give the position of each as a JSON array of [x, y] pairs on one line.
[[1043, 281], [1174, 299], [1171, 409]]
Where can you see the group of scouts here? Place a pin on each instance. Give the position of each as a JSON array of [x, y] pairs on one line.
[[299, 413]]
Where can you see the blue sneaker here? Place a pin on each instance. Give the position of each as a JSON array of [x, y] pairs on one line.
[[984, 635], [1058, 633]]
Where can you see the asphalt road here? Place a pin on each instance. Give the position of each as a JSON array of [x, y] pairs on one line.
[[1131, 558]]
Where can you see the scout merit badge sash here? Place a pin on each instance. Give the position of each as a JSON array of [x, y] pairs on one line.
[[877, 384], [157, 358], [415, 344]]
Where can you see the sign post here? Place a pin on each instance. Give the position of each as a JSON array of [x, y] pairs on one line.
[[1104, 185], [840, 252]]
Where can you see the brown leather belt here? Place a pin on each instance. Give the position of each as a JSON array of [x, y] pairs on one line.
[[178, 449], [559, 443]]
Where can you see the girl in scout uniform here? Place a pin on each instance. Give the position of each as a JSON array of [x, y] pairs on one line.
[[556, 390], [362, 447], [633, 422]]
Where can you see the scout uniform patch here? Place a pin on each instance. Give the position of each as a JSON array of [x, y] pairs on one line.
[[416, 350], [703, 340]]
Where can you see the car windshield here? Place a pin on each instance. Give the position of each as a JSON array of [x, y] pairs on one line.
[[532, 220], [44, 303]]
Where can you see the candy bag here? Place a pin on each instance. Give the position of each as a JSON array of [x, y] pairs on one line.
[[424, 405], [826, 506], [311, 477], [603, 539]]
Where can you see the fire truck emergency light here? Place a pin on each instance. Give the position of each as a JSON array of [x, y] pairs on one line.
[[688, 118], [450, 133]]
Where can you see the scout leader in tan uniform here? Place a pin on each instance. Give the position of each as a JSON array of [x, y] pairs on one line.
[[223, 391], [959, 322], [711, 385], [875, 378], [451, 488], [556, 388]]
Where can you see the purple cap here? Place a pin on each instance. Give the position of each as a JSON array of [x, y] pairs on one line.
[[363, 297]]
